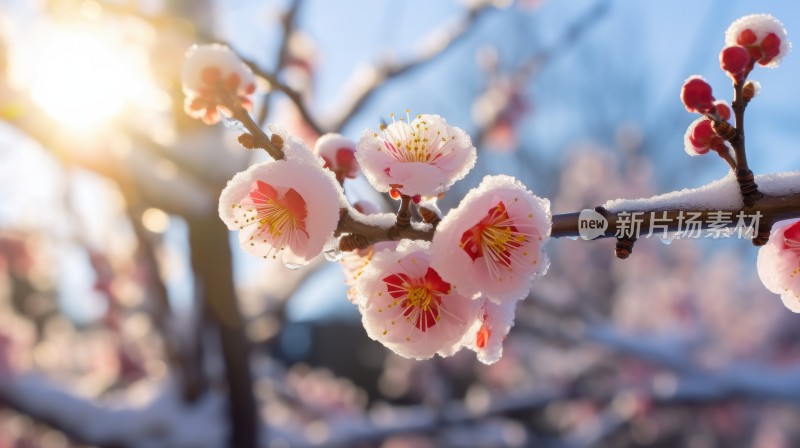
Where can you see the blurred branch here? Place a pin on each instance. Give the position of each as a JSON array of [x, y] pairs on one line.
[[423, 419], [390, 70], [166, 21], [289, 23], [532, 65], [98, 424], [694, 382], [213, 272]]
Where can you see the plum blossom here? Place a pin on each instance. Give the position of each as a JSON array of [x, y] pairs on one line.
[[338, 152], [779, 263], [762, 35], [486, 335], [424, 157], [491, 244], [210, 71], [287, 205], [409, 308]]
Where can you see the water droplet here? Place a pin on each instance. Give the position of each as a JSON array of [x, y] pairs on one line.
[[232, 124], [292, 266], [333, 254], [573, 238], [667, 240]]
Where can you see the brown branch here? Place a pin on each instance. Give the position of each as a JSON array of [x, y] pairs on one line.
[[769, 209], [389, 70], [744, 176]]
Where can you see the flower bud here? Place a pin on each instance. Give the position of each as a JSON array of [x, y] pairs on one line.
[[735, 60], [696, 95]]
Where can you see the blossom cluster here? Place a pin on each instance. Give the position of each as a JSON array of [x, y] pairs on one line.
[[418, 298], [755, 39], [460, 286]]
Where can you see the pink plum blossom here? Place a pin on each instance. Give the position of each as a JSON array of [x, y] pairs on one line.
[[407, 307], [286, 205], [338, 152], [779, 263], [210, 71], [491, 244], [424, 157], [486, 335], [762, 35]]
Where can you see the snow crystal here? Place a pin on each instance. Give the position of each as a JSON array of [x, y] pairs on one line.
[[761, 25], [722, 194]]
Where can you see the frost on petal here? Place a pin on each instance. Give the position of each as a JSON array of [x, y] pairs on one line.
[[486, 335], [491, 244], [285, 205], [338, 152], [762, 35], [779, 263], [409, 308], [424, 157], [208, 70]]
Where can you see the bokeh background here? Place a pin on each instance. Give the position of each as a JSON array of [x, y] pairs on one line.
[[127, 318]]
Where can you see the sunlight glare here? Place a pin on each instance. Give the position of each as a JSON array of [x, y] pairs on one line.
[[81, 78]]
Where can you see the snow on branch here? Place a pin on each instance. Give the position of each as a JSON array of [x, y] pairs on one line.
[[163, 422]]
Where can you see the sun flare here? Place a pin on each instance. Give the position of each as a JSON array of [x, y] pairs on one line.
[[82, 78]]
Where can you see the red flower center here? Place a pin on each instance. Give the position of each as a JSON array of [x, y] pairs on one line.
[[494, 236], [421, 297]]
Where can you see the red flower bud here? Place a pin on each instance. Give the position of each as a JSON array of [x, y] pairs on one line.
[[702, 135], [723, 110], [696, 95], [735, 61], [771, 47]]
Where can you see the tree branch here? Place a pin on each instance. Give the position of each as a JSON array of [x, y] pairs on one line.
[[389, 70]]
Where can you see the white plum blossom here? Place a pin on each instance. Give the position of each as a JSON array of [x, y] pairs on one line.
[[288, 206], [762, 35], [491, 244], [407, 307], [779, 263], [486, 335], [211, 70], [338, 152], [421, 158]]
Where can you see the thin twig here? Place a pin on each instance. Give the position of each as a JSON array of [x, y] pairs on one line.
[[389, 70], [289, 24]]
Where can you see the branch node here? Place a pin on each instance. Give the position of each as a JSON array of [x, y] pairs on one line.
[[725, 130], [404, 213], [353, 241], [429, 216], [248, 141], [762, 235], [748, 187], [624, 247]]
